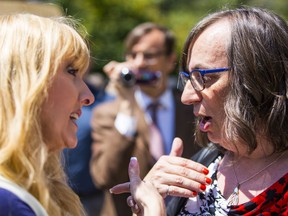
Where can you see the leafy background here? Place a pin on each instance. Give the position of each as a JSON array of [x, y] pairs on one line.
[[109, 21]]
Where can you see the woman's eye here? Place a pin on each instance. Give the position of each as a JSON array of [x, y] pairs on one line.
[[206, 78], [72, 71], [210, 79]]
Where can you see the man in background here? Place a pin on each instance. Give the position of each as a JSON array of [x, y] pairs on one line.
[[143, 118]]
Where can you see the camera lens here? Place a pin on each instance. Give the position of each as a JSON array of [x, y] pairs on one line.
[[127, 77]]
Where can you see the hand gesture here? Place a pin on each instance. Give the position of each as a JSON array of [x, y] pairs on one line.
[[145, 200], [171, 175], [177, 176]]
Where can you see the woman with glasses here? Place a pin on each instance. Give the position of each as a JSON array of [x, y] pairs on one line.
[[235, 74]]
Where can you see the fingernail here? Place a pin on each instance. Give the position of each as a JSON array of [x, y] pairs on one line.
[[205, 171], [111, 191], [202, 187], [208, 180], [133, 158], [194, 193]]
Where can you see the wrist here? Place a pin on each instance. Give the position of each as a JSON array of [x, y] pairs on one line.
[[155, 204], [155, 207]]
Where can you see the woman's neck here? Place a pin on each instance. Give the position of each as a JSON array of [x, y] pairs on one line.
[[252, 175]]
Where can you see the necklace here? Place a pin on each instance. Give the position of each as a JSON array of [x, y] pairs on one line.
[[234, 197]]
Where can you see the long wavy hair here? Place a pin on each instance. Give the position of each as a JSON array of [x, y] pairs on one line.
[[32, 48], [257, 53]]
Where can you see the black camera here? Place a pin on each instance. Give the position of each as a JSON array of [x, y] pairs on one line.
[[129, 78]]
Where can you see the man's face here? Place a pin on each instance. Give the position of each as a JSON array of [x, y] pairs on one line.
[[149, 54]]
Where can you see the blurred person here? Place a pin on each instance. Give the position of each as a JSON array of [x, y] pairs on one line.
[[123, 127], [42, 63], [235, 74], [76, 160]]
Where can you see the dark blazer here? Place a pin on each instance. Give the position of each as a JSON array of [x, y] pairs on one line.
[[111, 151]]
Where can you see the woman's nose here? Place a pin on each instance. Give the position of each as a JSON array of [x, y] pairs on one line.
[[87, 97], [190, 95]]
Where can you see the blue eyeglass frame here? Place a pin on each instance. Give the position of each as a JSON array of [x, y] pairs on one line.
[[202, 72]]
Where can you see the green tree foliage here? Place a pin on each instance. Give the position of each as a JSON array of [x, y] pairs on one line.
[[109, 21]]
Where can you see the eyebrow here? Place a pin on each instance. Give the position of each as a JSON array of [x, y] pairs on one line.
[[200, 66]]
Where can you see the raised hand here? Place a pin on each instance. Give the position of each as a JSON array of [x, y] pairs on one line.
[[145, 199], [171, 175], [176, 176]]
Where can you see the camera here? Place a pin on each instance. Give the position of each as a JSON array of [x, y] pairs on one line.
[[129, 78]]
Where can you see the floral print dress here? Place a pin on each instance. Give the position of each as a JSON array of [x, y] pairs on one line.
[[272, 201]]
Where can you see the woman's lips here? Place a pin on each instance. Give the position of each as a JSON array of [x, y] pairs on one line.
[[204, 123], [74, 117]]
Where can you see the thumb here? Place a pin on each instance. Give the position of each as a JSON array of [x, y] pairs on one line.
[[177, 147]]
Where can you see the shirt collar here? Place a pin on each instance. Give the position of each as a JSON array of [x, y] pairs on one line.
[[144, 100]]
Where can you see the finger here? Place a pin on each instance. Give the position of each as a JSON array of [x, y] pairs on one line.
[[108, 68], [182, 172], [130, 201], [179, 192], [177, 166], [184, 175], [120, 188], [177, 147], [134, 171], [169, 170], [133, 205], [135, 181], [178, 183], [135, 209]]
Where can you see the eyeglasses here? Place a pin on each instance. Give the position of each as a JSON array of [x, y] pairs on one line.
[[149, 57], [197, 77]]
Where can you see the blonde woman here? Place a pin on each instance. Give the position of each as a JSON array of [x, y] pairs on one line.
[[42, 62]]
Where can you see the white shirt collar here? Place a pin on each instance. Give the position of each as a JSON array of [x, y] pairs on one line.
[[144, 100]]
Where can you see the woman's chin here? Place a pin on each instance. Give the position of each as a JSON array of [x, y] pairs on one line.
[[71, 143], [213, 138]]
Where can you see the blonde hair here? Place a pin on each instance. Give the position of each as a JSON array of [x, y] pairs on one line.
[[32, 48]]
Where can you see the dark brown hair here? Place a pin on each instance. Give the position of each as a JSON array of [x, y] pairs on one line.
[[139, 31], [258, 57]]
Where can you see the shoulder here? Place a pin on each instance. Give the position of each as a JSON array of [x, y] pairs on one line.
[[207, 154], [10, 204]]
